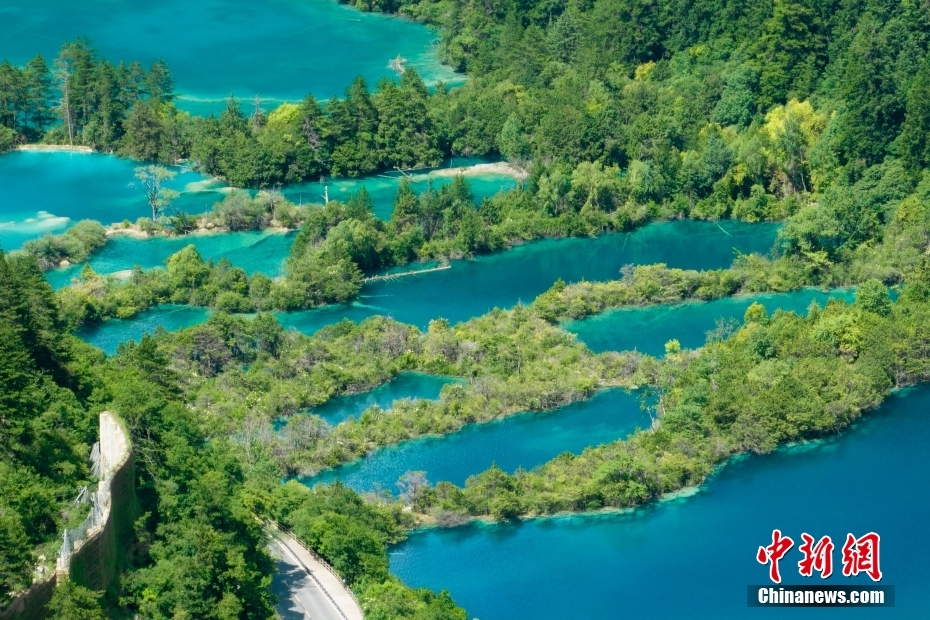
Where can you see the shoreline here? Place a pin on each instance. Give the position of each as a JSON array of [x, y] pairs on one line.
[[116, 229], [500, 167], [52, 148], [426, 523], [696, 301]]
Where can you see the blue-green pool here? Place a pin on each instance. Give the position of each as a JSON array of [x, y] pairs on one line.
[[523, 440], [46, 192], [109, 335], [254, 251], [383, 188], [412, 385], [473, 287], [694, 557], [277, 49], [648, 329]]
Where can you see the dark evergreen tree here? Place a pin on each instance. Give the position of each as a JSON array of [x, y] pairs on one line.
[[790, 52], [914, 142], [874, 107]]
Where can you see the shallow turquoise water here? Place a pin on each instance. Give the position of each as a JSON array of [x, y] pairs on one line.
[[277, 49], [694, 557], [473, 287], [48, 192], [168, 316], [414, 385], [383, 189], [523, 440], [254, 251], [648, 329]]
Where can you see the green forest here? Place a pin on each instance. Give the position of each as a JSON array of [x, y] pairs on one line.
[[814, 113]]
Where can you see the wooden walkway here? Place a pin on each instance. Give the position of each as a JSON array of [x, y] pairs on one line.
[[394, 276]]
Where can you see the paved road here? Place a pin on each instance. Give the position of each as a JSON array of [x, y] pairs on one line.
[[300, 582]]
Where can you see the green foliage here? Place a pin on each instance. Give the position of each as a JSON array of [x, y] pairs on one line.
[[872, 296], [776, 379], [913, 145], [352, 536], [75, 602], [7, 139], [45, 427], [75, 245], [652, 284], [790, 53], [324, 277], [515, 362], [874, 104], [198, 549], [16, 555], [152, 179]]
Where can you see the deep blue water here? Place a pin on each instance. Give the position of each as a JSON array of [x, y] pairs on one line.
[[412, 385], [473, 287], [647, 329], [523, 440], [693, 557]]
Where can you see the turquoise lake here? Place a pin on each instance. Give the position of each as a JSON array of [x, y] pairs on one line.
[[383, 188], [46, 192], [473, 287], [413, 385], [530, 439], [693, 557], [254, 251], [522, 440], [109, 335], [647, 329], [277, 49]]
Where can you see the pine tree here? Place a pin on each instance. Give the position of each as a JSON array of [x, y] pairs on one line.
[[159, 83], [12, 94], [142, 133], [874, 107], [789, 53], [406, 206], [913, 144]]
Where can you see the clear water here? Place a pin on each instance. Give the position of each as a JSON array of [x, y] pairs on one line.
[[46, 192], [530, 439], [473, 287], [42, 192], [648, 329], [171, 317], [413, 385], [277, 49], [254, 251], [694, 557], [383, 189], [523, 440]]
